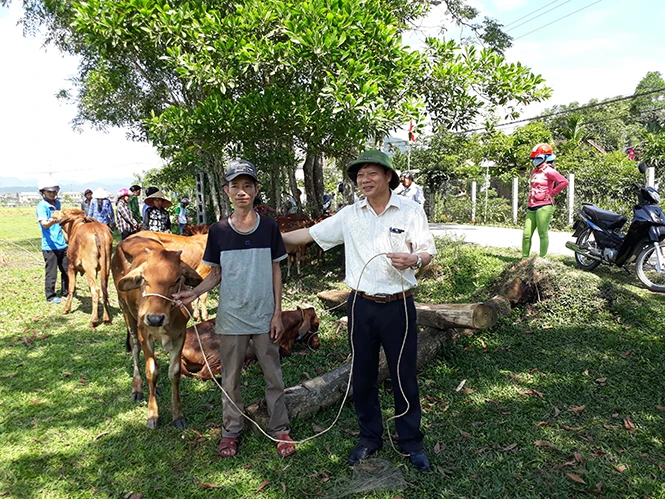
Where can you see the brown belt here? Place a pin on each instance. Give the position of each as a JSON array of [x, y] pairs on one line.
[[384, 298]]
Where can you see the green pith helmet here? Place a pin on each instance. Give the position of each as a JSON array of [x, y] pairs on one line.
[[374, 157]]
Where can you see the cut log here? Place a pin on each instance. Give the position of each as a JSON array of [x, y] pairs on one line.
[[445, 315], [329, 388]]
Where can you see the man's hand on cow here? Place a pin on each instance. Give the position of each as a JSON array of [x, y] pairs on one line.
[[185, 297], [276, 328], [403, 261]]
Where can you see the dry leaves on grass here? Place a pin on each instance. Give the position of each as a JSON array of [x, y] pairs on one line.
[[577, 408], [439, 447], [509, 447], [263, 485], [575, 478], [204, 485], [465, 434], [531, 391], [629, 424], [620, 468], [661, 408], [133, 495], [461, 385], [578, 457], [542, 443]]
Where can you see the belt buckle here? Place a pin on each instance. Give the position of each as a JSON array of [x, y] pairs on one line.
[[381, 297]]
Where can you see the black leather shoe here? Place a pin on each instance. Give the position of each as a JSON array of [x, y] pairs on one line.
[[358, 453], [419, 460]]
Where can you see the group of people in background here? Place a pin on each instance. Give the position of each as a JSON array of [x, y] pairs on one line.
[[128, 217]]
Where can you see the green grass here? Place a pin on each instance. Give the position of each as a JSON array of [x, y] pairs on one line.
[[69, 429]]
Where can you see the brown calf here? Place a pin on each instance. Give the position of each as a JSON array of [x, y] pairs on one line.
[[192, 248], [89, 246], [300, 325], [142, 266]]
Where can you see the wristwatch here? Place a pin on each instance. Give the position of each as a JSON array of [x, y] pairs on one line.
[[418, 264]]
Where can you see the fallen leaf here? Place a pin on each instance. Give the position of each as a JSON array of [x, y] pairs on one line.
[[541, 423], [263, 485], [208, 406], [209, 485], [556, 412], [575, 478], [439, 447], [66, 373], [10, 375], [101, 435], [465, 434], [660, 408], [599, 486], [134, 495], [601, 380], [468, 391], [283, 486], [626, 353], [509, 447], [482, 342], [569, 428], [566, 464], [83, 380], [628, 423], [460, 386], [620, 468], [609, 427], [542, 443], [325, 479], [576, 408], [352, 432], [586, 372], [578, 457], [317, 428]]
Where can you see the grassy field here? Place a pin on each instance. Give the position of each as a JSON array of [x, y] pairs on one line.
[[564, 398]]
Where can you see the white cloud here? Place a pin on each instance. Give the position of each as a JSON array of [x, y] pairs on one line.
[[36, 128]]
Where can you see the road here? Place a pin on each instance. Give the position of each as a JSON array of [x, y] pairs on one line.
[[502, 237]]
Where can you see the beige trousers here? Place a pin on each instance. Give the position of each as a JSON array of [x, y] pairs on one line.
[[232, 353]]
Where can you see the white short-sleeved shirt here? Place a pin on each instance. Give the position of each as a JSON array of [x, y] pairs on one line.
[[401, 228]]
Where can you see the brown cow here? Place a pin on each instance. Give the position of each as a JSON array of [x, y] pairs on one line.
[[300, 325], [192, 248], [89, 246], [142, 266]]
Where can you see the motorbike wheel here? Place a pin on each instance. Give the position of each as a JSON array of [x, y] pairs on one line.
[[584, 262], [647, 271]]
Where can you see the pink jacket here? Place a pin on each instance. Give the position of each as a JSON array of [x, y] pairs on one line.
[[542, 188]]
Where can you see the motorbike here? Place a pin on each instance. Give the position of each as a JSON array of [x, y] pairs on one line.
[[598, 238]]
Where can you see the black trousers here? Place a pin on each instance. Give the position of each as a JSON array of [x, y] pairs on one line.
[[382, 324], [54, 260]]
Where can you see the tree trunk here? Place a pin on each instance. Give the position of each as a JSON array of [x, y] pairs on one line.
[[308, 170], [212, 185], [311, 395], [463, 315], [316, 202]]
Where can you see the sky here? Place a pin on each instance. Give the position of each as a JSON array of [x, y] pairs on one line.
[[600, 52]]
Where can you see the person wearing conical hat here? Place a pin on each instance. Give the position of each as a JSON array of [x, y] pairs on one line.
[[156, 218], [101, 208]]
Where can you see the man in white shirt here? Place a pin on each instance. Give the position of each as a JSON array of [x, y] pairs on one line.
[[386, 237], [412, 190]]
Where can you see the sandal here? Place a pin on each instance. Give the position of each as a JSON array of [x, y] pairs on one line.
[[285, 449], [228, 447]]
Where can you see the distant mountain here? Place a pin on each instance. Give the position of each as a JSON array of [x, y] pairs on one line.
[[14, 185]]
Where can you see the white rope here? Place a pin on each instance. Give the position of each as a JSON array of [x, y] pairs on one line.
[[348, 384]]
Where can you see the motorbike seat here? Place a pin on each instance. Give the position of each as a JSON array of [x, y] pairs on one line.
[[604, 218]]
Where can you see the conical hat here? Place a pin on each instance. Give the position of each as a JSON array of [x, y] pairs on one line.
[[157, 195], [101, 193]]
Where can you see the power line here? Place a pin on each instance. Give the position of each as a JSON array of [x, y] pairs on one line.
[[557, 20], [550, 10], [530, 13], [572, 110]]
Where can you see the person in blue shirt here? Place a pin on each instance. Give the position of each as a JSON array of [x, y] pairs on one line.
[[101, 208], [54, 245]]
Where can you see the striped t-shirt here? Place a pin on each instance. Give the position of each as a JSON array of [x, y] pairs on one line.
[[246, 298]]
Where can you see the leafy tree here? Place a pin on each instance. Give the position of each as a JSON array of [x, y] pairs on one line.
[[649, 110]]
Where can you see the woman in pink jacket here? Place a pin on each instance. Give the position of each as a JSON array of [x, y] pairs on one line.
[[544, 184]]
